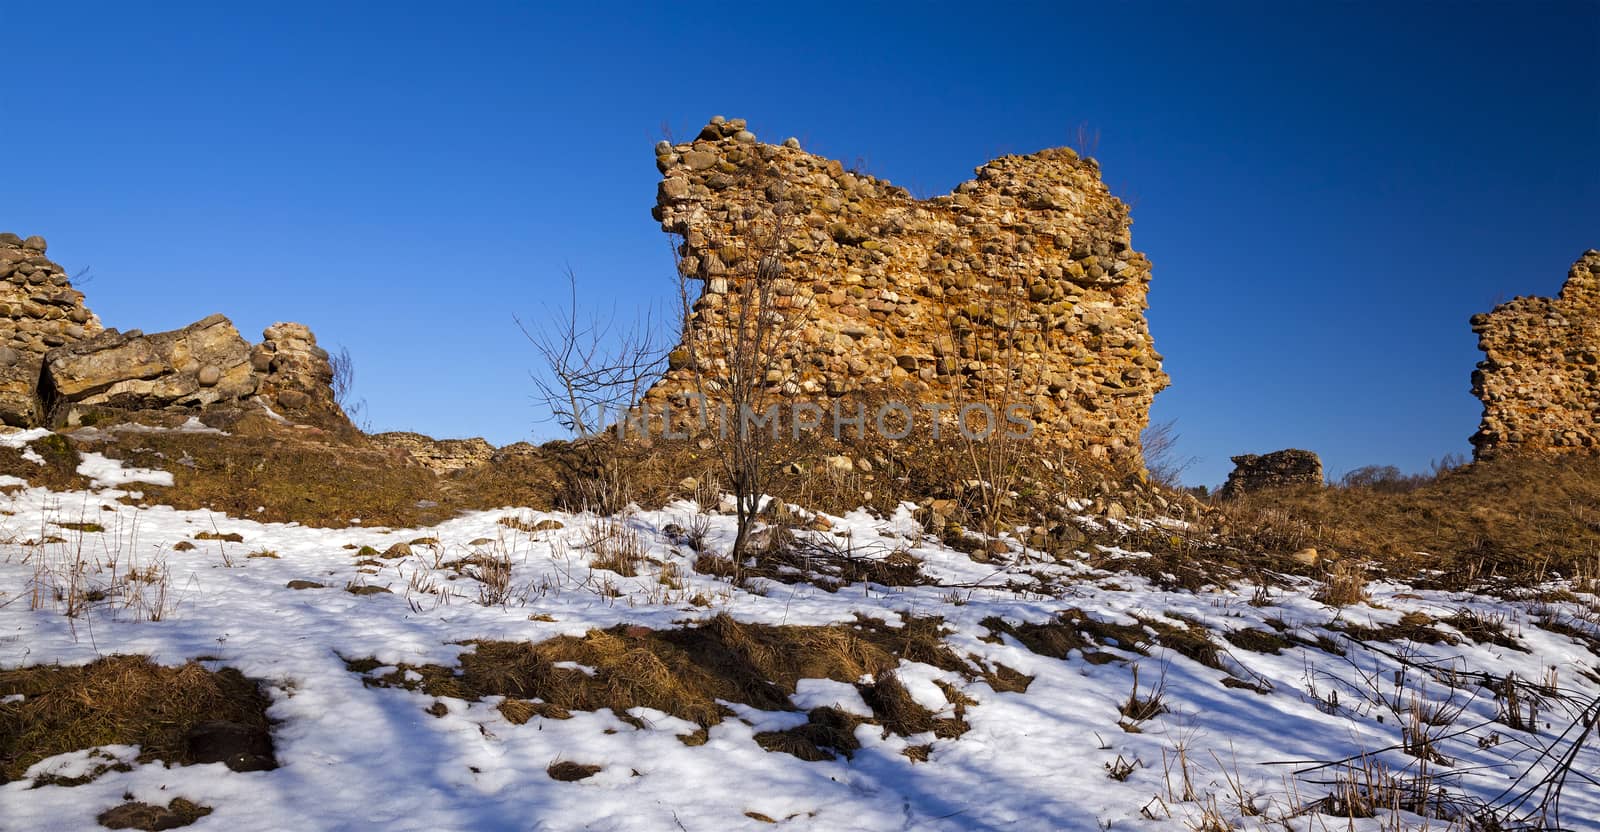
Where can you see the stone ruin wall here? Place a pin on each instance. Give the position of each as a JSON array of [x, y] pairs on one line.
[[1539, 380], [1280, 469], [58, 364], [921, 300], [39, 311]]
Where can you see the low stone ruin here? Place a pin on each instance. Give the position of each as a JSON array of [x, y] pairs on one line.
[[58, 364], [1539, 380], [442, 456], [1279, 469]]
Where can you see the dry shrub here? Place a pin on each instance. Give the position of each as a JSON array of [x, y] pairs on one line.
[[892, 704], [1344, 585], [614, 545], [118, 700], [828, 733]]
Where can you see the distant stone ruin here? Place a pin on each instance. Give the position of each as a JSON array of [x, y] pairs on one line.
[[441, 456], [58, 365], [1021, 286], [1279, 469], [1539, 380]]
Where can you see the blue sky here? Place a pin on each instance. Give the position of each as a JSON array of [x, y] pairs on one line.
[[1328, 191]]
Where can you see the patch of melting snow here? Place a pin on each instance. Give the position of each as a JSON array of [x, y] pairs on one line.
[[109, 473], [13, 438]]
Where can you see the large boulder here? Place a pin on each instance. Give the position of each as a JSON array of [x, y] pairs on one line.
[[204, 363]]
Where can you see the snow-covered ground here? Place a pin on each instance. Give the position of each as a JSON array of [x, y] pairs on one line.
[[354, 756]]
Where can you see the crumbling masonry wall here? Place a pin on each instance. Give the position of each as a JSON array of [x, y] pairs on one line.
[[1021, 286], [39, 311], [1539, 380], [57, 363]]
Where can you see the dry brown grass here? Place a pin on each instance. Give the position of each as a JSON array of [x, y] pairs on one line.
[[685, 672], [1344, 585], [118, 700], [1516, 518], [59, 471], [177, 814]]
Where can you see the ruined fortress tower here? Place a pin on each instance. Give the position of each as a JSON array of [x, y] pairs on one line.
[[1021, 286], [1540, 376]]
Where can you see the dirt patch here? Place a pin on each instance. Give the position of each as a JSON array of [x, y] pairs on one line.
[[570, 772], [133, 815], [1414, 627], [125, 700]]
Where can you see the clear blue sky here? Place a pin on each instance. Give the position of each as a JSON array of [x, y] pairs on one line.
[[1327, 191]]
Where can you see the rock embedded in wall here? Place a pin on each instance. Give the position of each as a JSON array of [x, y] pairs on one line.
[[202, 364], [1539, 380], [1021, 286]]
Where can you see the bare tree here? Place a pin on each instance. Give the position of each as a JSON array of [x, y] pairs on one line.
[[594, 367], [740, 327], [344, 379], [1162, 459]]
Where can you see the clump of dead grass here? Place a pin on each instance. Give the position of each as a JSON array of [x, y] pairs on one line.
[[689, 672], [180, 812], [118, 700]]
